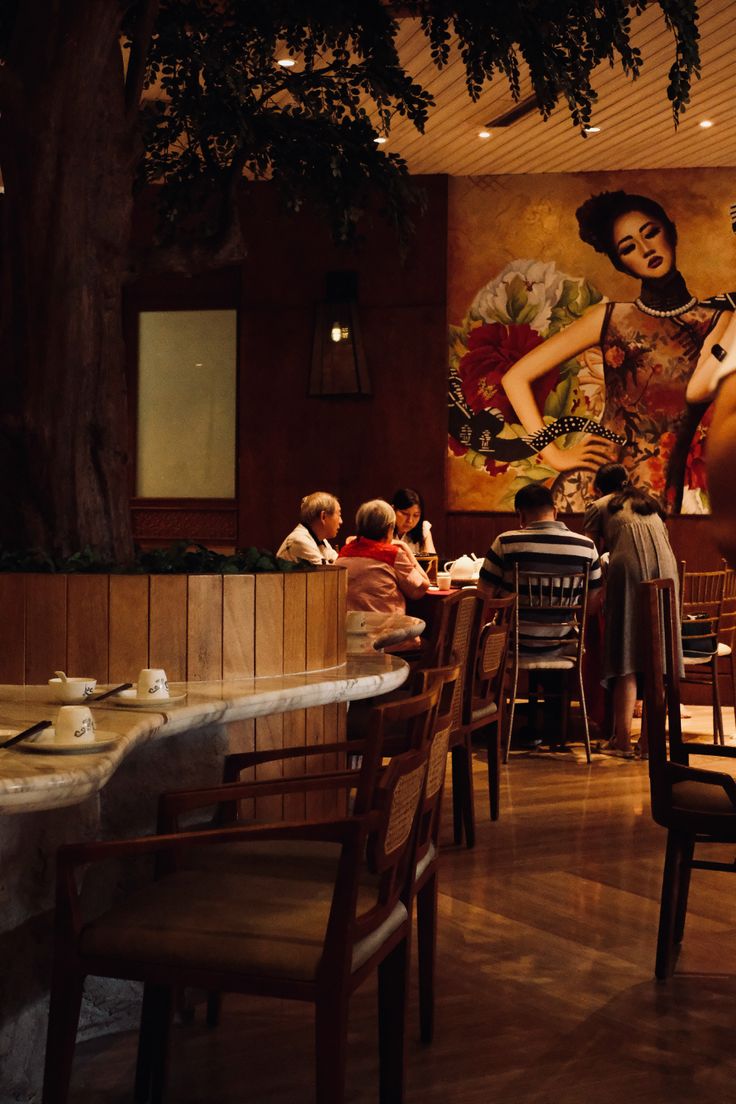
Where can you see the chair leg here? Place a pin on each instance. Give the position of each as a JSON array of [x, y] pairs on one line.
[[66, 1001], [671, 901], [466, 760], [331, 1037], [493, 746], [153, 1044], [426, 955], [512, 710], [686, 860], [392, 987], [458, 784], [584, 711], [718, 736], [732, 661]]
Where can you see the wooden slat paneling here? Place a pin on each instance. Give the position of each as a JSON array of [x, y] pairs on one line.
[[88, 605], [204, 628], [269, 622], [13, 605], [238, 626], [167, 640], [128, 639]]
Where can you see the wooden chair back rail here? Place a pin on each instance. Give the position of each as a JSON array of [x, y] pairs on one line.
[[554, 593], [702, 596]]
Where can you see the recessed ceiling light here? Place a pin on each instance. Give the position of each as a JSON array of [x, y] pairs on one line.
[[285, 63], [380, 141], [592, 130], [705, 124], [484, 134]]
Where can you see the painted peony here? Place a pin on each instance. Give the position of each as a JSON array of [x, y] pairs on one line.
[[492, 349], [524, 292]]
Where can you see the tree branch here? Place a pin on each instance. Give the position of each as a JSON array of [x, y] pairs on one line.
[[140, 42]]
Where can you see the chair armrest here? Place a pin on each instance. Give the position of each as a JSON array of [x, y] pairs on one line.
[[239, 761], [677, 772], [181, 801]]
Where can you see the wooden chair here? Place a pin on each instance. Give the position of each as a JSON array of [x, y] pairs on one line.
[[273, 931], [395, 737], [701, 606], [485, 697], [456, 650], [557, 606], [696, 806]]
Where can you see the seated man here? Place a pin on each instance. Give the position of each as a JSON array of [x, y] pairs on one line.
[[540, 544], [319, 521]]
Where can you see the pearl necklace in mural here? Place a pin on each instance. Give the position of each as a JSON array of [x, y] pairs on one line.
[[666, 313]]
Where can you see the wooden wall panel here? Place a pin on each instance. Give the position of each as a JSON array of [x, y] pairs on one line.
[[204, 628], [238, 626], [269, 636], [295, 623], [13, 605], [45, 627], [316, 619], [342, 609], [331, 617], [88, 601], [128, 633], [167, 638]]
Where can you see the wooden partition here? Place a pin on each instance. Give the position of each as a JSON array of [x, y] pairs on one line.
[[197, 627]]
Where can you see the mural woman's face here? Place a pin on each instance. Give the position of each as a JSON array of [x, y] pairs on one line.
[[642, 243]]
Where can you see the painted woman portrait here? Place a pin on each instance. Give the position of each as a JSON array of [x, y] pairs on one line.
[[650, 348]]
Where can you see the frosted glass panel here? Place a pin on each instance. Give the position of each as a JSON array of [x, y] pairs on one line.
[[186, 404]]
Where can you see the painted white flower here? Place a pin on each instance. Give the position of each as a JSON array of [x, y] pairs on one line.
[[525, 291]]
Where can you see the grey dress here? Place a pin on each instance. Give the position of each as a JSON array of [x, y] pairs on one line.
[[639, 550]]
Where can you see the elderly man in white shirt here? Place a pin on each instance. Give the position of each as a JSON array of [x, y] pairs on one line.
[[319, 521]]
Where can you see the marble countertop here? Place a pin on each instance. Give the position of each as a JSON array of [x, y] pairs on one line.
[[31, 782]]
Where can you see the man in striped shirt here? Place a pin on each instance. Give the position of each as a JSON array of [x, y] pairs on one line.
[[541, 544]]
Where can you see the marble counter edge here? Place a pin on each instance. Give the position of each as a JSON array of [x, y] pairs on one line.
[[34, 783]]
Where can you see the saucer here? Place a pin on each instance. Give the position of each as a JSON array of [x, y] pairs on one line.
[[130, 698], [104, 741]]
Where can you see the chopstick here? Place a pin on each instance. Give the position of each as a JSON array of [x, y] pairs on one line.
[[26, 732], [109, 693]]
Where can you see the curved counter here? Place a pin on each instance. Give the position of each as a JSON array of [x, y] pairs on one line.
[[34, 782]]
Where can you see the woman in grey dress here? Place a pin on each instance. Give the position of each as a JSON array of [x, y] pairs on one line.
[[629, 525]]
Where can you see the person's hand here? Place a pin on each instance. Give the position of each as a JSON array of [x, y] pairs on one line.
[[588, 454]]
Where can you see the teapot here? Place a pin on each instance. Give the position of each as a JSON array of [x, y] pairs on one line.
[[465, 569]]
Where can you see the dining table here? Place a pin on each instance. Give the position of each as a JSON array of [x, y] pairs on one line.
[[110, 790]]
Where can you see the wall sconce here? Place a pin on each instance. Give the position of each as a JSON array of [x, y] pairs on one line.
[[338, 357]]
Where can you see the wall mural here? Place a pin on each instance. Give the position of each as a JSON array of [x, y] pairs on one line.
[[592, 380]]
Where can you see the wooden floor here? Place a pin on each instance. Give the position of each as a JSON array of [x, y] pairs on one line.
[[546, 955]]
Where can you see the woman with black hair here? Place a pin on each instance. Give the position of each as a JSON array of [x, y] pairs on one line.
[[411, 525], [651, 347], [629, 524]]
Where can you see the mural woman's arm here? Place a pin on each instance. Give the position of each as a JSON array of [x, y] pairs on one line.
[[700, 384], [517, 383], [721, 462]]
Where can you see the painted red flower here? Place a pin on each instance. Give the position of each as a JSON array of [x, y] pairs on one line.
[[492, 349]]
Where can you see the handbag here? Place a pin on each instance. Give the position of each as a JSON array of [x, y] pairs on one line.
[[697, 641]]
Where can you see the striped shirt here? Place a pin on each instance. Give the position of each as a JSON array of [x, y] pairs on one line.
[[544, 547]]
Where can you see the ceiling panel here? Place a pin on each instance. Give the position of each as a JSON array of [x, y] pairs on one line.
[[637, 130]]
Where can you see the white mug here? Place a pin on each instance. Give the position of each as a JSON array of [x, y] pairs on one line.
[[152, 683], [74, 724], [443, 580]]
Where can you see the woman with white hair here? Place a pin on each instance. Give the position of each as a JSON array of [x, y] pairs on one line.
[[319, 521], [381, 574]]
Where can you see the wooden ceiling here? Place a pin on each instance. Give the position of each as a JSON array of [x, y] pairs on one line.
[[635, 118]]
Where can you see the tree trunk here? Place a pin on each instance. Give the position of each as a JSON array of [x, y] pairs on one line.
[[67, 162]]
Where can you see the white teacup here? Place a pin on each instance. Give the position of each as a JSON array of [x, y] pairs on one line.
[[74, 723], [72, 689], [444, 579], [355, 621], [152, 684]]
